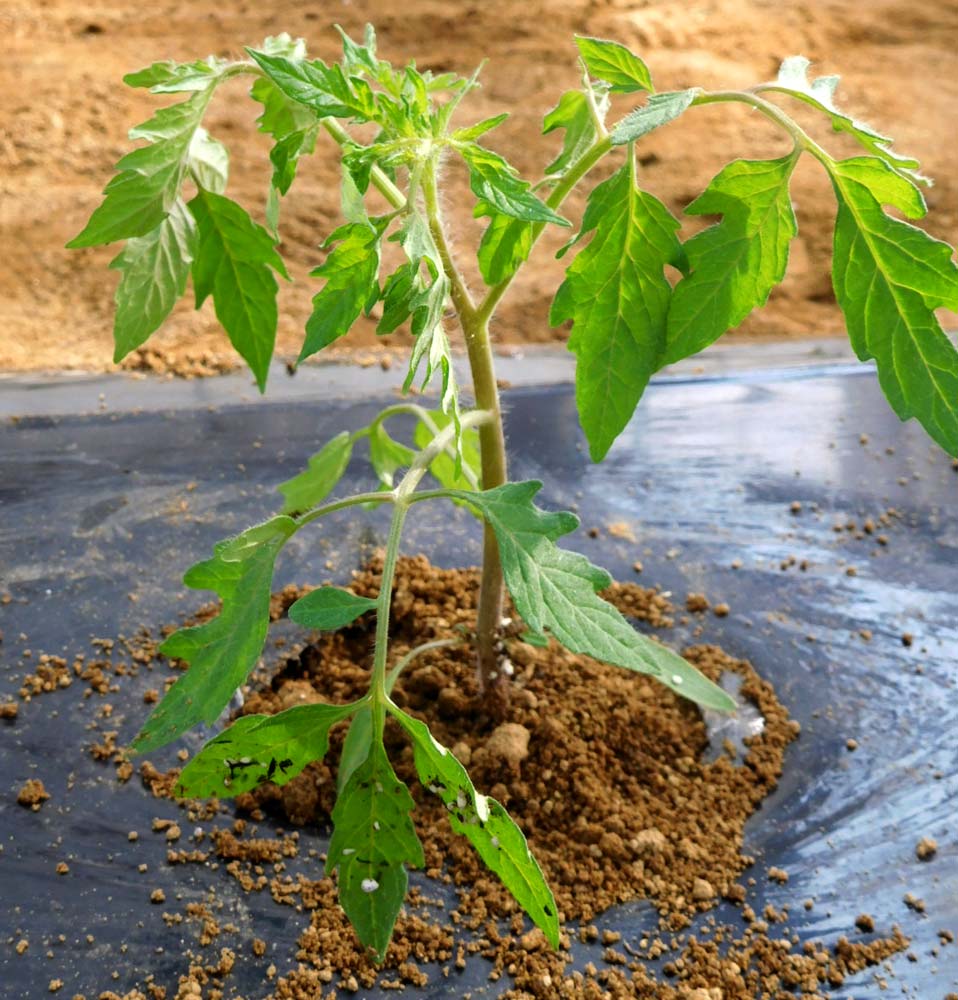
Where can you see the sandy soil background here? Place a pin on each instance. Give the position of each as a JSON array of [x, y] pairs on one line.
[[65, 114]]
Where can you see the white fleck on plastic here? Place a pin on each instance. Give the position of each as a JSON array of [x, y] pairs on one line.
[[369, 885]]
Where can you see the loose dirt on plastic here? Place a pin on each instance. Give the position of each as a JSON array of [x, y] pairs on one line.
[[65, 122], [605, 771]]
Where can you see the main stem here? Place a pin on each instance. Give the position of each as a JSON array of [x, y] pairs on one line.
[[492, 443]]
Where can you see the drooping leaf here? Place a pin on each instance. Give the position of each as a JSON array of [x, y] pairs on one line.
[[555, 591], [148, 184], [820, 94], [306, 489], [222, 651], [209, 162], [572, 113], [505, 245], [617, 296], [234, 263], [498, 187], [373, 841], [489, 828], [889, 277], [325, 89], [737, 262], [155, 268], [615, 64], [658, 110], [351, 271], [329, 608], [258, 748], [386, 455]]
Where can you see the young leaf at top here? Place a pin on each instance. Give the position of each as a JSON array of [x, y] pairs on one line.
[[658, 110], [234, 263], [154, 270], [820, 94], [737, 262], [573, 114], [614, 64], [222, 651], [258, 748], [373, 841], [329, 608], [486, 824], [473, 132], [148, 184], [324, 470], [889, 278], [351, 271], [555, 590], [617, 296], [498, 187]]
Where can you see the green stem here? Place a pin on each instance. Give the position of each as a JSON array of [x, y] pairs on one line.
[[353, 501], [559, 194], [405, 660], [380, 181], [459, 293], [770, 111], [379, 695]]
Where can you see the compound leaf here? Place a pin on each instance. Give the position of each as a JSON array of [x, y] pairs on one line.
[[351, 271], [496, 184], [737, 262], [820, 94], [148, 184], [617, 296], [373, 841], [222, 651], [658, 110], [555, 590], [489, 828], [889, 277], [258, 748], [324, 470], [329, 608], [234, 263], [615, 64], [154, 270]]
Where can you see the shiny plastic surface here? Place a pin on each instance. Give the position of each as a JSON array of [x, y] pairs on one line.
[[97, 508]]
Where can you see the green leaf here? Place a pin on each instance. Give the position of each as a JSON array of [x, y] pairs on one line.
[[447, 470], [387, 455], [397, 296], [235, 263], [615, 64], [155, 268], [361, 58], [356, 746], [658, 110], [496, 184], [489, 828], [473, 132], [737, 262], [373, 840], [306, 489], [351, 271], [258, 748], [170, 77], [222, 651], [504, 247], [209, 162], [617, 296], [292, 126], [148, 184], [820, 94], [329, 608], [889, 278], [555, 590], [325, 89], [573, 114]]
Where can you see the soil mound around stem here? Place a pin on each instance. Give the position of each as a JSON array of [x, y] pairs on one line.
[[606, 773]]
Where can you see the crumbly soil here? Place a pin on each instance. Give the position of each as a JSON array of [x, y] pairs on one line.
[[63, 125], [606, 773]]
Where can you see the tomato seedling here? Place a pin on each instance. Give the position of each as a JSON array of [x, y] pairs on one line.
[[637, 298]]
